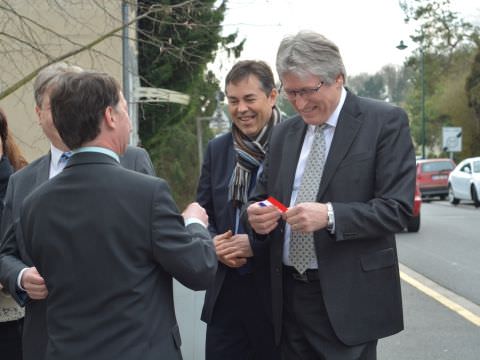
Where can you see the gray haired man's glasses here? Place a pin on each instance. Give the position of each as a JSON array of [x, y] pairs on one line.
[[304, 93]]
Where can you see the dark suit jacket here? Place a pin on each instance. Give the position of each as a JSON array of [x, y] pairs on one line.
[[369, 177], [115, 240], [212, 194], [13, 257]]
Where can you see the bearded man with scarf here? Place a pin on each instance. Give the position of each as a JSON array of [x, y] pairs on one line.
[[236, 306]]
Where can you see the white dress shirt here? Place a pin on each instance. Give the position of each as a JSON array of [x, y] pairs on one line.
[[302, 163], [56, 163]]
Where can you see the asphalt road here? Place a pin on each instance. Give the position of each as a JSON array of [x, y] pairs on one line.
[[447, 248], [447, 251]]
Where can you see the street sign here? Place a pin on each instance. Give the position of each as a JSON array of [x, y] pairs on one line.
[[452, 139]]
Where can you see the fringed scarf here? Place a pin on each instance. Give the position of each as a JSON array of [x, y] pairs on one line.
[[249, 155]]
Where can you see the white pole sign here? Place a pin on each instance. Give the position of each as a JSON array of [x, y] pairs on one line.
[[452, 139]]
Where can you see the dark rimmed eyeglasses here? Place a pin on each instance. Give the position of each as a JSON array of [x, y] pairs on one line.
[[305, 92]]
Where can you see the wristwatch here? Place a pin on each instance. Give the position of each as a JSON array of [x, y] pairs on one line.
[[330, 217]]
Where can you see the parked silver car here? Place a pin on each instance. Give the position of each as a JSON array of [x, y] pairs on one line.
[[464, 182]]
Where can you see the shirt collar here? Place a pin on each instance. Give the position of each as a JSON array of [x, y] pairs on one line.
[[98, 149], [56, 153], [333, 119]]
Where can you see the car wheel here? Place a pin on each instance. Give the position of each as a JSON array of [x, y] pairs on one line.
[[414, 224], [451, 196], [442, 197], [475, 199]]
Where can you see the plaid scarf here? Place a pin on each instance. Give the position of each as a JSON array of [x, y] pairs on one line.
[[249, 155]]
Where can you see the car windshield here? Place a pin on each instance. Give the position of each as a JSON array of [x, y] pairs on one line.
[[437, 166], [476, 166]]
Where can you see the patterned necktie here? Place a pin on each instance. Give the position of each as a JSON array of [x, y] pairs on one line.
[[302, 249], [64, 158]]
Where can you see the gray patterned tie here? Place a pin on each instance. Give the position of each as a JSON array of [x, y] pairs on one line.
[[302, 250]]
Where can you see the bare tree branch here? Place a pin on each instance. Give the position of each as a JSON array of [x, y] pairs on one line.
[[26, 29]]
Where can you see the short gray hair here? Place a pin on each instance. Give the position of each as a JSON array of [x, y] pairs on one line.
[[310, 53], [49, 76]]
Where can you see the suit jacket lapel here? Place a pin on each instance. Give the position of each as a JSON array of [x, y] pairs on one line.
[[231, 160], [291, 152], [349, 122], [43, 170]]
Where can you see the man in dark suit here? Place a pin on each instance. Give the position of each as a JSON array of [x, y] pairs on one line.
[[345, 166], [17, 272], [235, 308], [115, 236]]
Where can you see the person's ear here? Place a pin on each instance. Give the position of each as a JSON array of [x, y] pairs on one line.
[[109, 118], [37, 111], [272, 98], [340, 80]]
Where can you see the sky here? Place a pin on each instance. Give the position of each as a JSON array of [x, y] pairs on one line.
[[366, 31]]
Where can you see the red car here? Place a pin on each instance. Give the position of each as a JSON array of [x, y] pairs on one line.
[[414, 222], [432, 177]]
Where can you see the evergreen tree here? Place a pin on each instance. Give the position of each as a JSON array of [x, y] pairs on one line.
[[445, 44], [472, 87], [183, 41]]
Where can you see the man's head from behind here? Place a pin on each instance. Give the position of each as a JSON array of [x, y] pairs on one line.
[[89, 109], [251, 95], [45, 81]]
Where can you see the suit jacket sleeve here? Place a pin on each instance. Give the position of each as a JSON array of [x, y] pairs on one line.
[[391, 203], [137, 159], [10, 257], [143, 163], [188, 253]]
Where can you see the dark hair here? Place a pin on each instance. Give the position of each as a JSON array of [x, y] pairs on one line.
[[258, 68], [78, 105], [9, 147]]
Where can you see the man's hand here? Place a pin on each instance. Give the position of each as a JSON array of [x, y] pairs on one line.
[[307, 217], [194, 210], [263, 219], [232, 250], [34, 284]]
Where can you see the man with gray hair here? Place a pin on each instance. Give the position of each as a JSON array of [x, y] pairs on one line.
[[348, 179], [17, 273]]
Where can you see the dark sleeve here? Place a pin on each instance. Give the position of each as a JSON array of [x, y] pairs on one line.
[[143, 163], [10, 257], [186, 253], [137, 159], [5, 171], [391, 204], [205, 191]]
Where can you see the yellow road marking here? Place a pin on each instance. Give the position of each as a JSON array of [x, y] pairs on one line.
[[442, 299]]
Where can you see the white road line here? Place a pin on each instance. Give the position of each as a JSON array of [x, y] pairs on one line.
[[457, 303]]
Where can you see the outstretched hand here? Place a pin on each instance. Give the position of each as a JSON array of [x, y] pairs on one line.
[[194, 210]]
